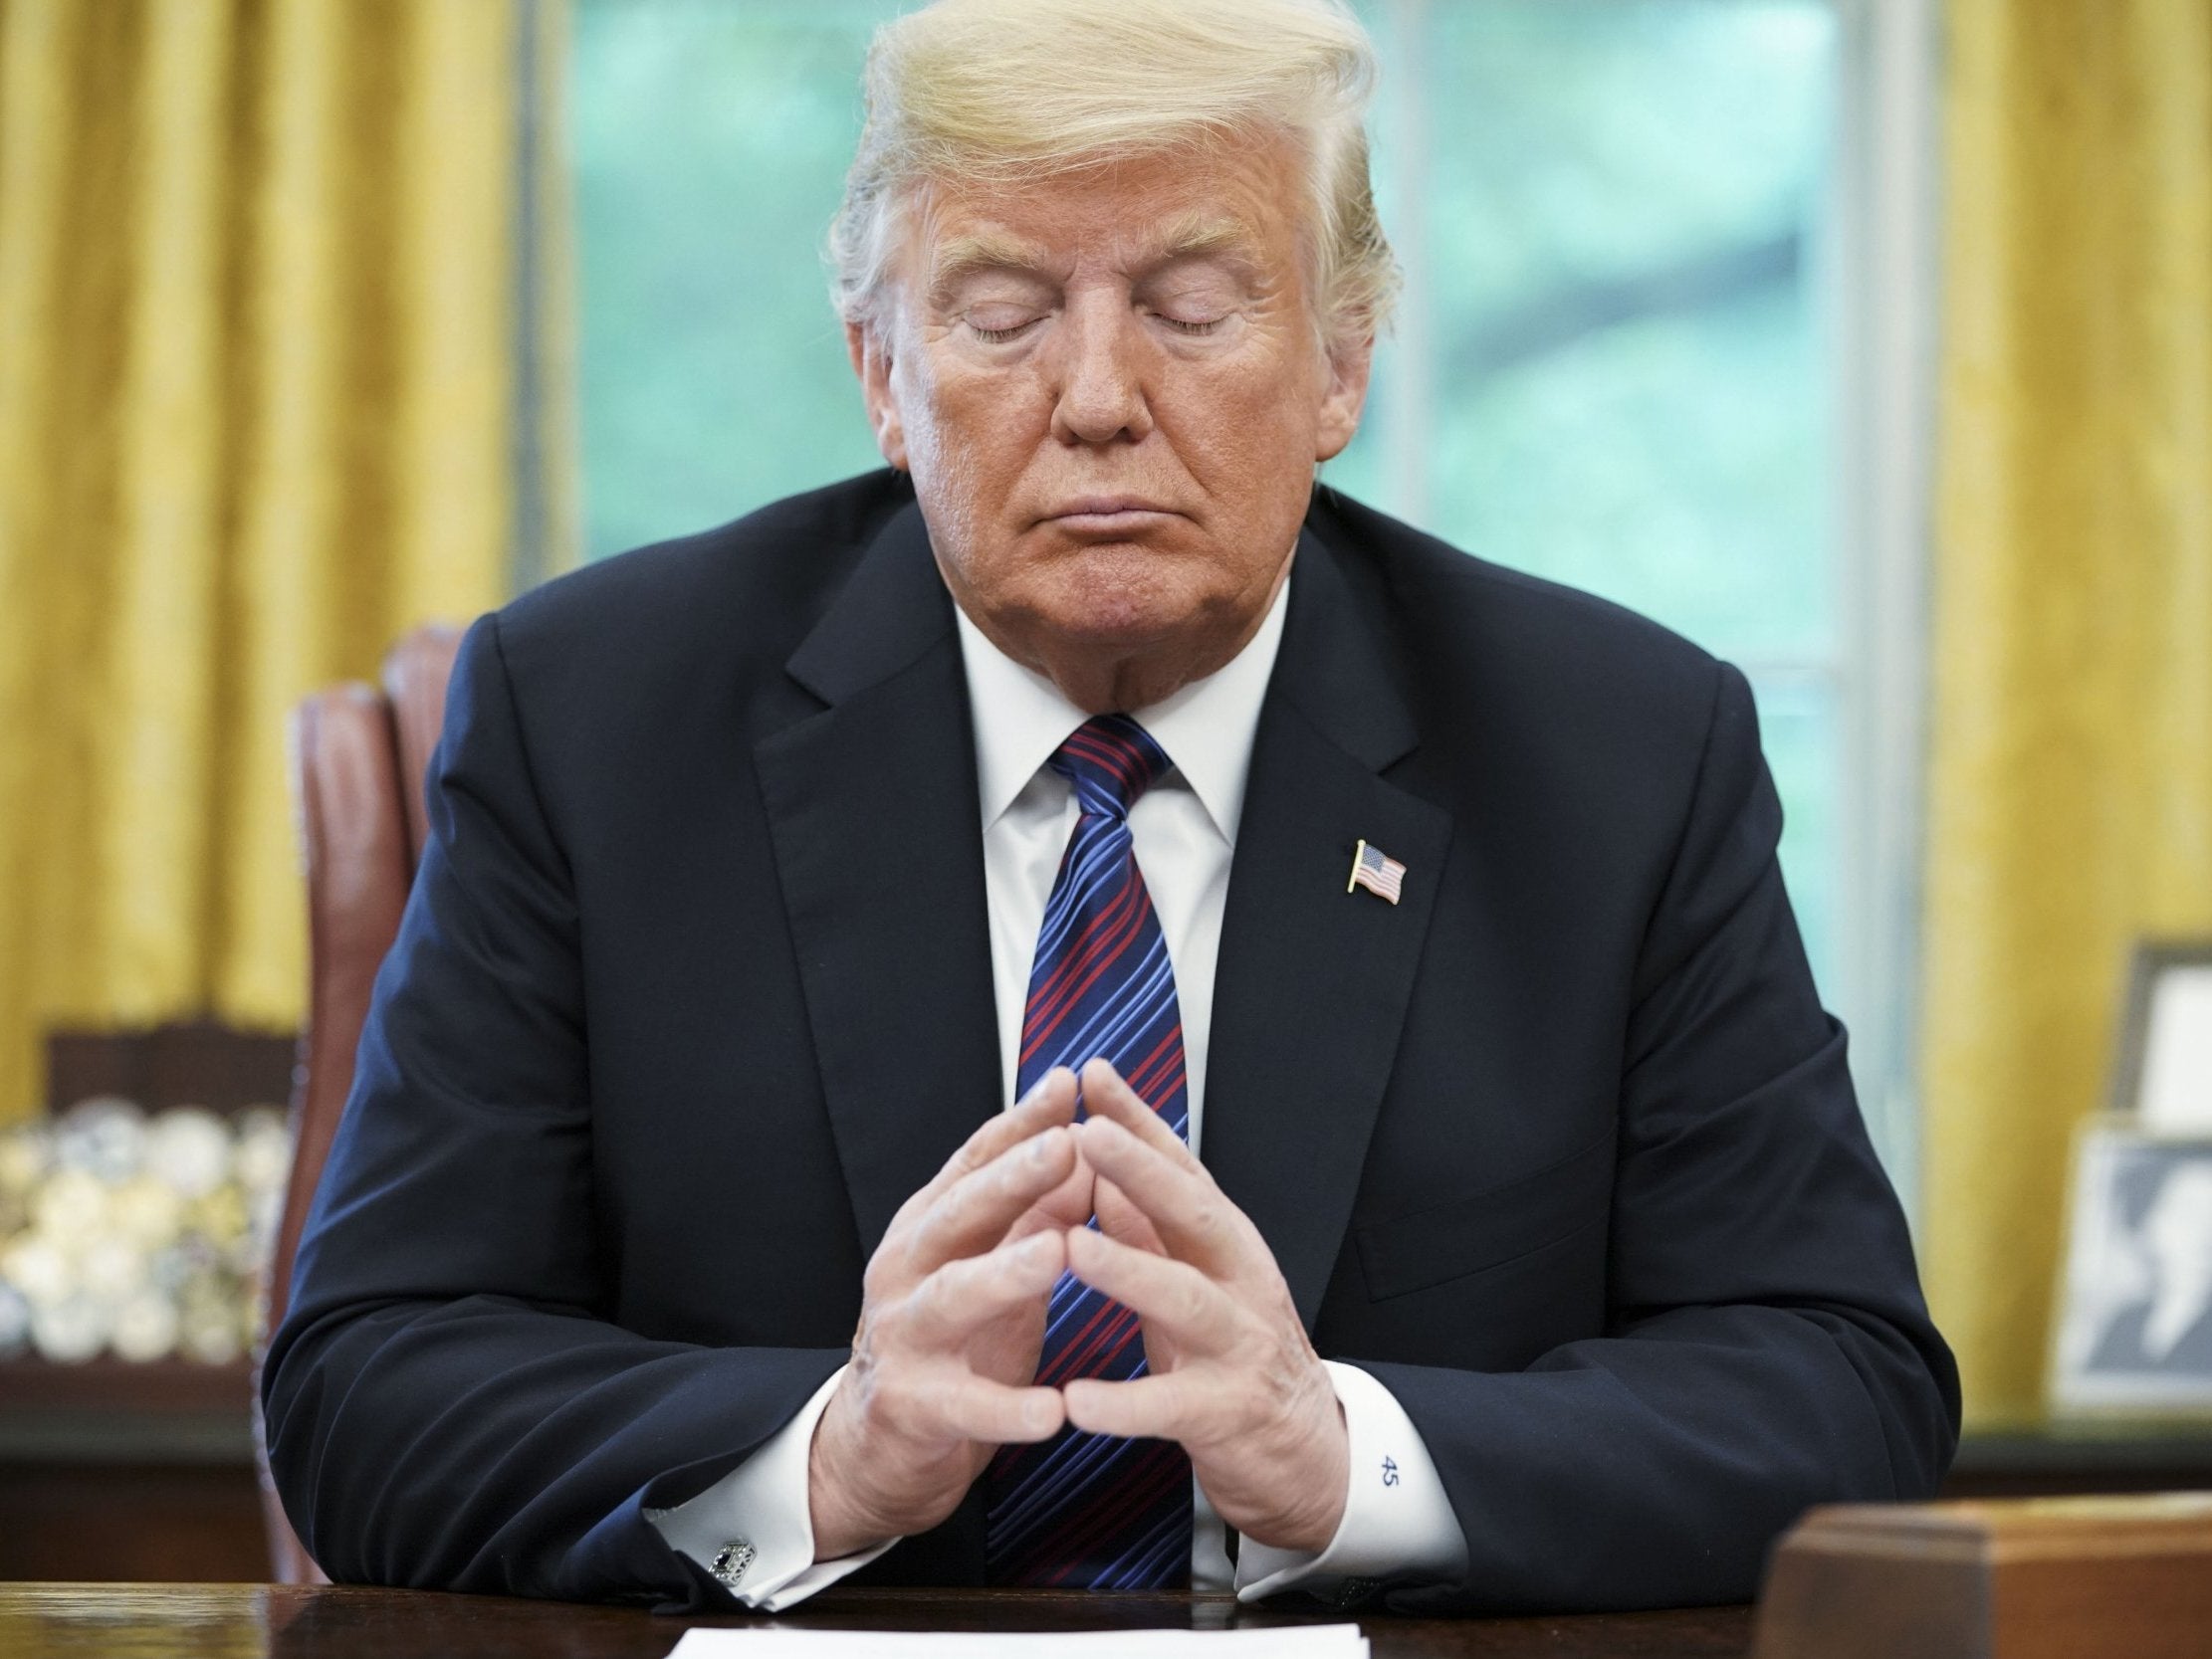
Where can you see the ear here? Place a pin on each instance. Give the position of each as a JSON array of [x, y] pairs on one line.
[[1343, 397], [871, 352]]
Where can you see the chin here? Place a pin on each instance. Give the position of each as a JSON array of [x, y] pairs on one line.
[[1123, 600]]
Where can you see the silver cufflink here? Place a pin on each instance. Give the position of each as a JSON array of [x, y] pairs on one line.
[[731, 1561]]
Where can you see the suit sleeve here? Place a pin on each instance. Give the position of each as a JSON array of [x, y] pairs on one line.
[[1766, 1345], [449, 1404]]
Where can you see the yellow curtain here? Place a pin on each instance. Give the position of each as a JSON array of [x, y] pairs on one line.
[[2072, 786], [257, 368]]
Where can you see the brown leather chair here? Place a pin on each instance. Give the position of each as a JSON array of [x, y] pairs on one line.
[[358, 755]]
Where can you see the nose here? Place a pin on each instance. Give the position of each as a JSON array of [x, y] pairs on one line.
[[1101, 348]]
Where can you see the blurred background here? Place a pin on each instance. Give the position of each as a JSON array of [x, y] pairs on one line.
[[1867, 342]]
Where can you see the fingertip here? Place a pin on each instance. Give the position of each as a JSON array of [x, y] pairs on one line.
[[1086, 1250], [1042, 1413], [1099, 1075], [1049, 1147], [1081, 1402], [1097, 1134], [1059, 1087], [1046, 1253], [1052, 1094]]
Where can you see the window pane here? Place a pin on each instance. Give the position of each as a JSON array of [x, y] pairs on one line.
[[710, 145], [1622, 336]]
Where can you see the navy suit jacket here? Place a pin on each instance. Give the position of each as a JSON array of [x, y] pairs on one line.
[[693, 990]]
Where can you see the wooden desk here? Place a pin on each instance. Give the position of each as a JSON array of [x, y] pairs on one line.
[[287, 1621]]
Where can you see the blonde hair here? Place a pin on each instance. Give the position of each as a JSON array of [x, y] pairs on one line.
[[1004, 91]]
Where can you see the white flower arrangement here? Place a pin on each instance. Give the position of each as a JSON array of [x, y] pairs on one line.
[[140, 1235]]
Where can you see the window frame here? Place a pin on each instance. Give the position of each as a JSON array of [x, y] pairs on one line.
[[1883, 269]]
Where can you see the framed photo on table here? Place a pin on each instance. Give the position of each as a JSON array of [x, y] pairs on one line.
[[2162, 1078], [2135, 1328], [2134, 1335]]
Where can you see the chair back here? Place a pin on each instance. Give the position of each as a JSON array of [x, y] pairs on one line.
[[359, 758]]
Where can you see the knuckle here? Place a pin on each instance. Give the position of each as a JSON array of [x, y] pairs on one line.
[[1190, 1303], [1179, 1404], [935, 1298], [929, 1231]]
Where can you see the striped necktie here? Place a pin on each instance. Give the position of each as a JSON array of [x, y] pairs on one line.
[[1094, 1510]]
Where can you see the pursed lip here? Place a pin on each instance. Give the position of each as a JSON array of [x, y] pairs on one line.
[[1105, 512]]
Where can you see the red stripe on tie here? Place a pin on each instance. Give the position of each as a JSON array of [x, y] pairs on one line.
[[1109, 932], [1124, 763], [1127, 905], [1063, 1362], [1144, 1483], [1070, 996], [1168, 1054], [1111, 1332], [1115, 1343]]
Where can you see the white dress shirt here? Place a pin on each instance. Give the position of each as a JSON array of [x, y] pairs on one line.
[[1396, 1523]]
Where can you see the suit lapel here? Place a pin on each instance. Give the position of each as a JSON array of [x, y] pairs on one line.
[[872, 808], [1313, 981]]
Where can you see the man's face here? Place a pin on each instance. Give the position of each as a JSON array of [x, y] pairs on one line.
[[1111, 394]]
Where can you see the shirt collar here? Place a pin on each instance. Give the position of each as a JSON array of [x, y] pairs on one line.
[[1206, 728]]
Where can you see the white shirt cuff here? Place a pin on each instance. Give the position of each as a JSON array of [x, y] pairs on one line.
[[1398, 1523], [764, 1502]]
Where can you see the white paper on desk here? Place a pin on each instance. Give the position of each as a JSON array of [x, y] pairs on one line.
[[1284, 1641]]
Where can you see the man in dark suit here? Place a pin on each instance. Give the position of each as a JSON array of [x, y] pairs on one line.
[[1468, 1202]]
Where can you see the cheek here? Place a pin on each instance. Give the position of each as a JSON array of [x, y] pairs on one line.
[[1258, 431], [963, 463], [1269, 397], [964, 426], [938, 443]]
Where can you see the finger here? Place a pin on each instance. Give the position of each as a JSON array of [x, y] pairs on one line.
[[1105, 1095], [1048, 1104], [954, 1403], [961, 1295], [978, 1211], [1174, 1298], [1067, 1205], [1118, 1218], [1190, 1215], [1171, 1407]]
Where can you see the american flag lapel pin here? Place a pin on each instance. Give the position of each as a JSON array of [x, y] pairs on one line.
[[1378, 871]]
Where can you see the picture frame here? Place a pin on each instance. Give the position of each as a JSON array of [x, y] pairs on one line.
[[2162, 1068], [2133, 1335]]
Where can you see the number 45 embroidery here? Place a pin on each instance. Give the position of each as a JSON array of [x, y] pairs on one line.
[[1390, 1472]]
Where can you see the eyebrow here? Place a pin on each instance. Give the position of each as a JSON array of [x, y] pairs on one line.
[[1199, 237], [1196, 237], [952, 261]]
